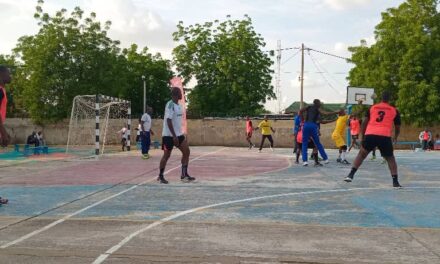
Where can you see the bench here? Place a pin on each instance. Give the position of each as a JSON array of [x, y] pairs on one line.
[[28, 150], [413, 144]]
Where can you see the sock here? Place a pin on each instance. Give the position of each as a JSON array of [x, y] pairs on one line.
[[343, 155], [352, 172], [161, 172], [184, 170]]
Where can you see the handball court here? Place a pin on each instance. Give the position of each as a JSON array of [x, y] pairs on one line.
[[245, 207]]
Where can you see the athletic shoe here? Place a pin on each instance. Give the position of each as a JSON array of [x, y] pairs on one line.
[[3, 201], [326, 161], [318, 164], [161, 179], [187, 178], [338, 160], [145, 156], [271, 149], [348, 179], [345, 162], [373, 158], [396, 184], [305, 164]]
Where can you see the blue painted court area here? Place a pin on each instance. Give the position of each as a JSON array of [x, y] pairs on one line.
[[296, 196]]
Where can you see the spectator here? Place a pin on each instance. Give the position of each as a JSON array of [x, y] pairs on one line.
[[424, 137], [40, 138], [32, 139]]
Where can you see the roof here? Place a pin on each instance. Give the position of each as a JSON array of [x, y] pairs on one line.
[[329, 107]]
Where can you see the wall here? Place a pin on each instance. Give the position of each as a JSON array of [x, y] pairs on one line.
[[201, 132]]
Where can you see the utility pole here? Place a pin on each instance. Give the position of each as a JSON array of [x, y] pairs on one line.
[[302, 77], [278, 77], [145, 95]]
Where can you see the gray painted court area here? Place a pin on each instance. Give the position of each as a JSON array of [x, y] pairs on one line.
[[246, 207]]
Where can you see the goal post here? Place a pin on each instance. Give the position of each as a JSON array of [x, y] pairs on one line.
[[94, 122]]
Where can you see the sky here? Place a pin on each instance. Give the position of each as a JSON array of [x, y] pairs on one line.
[[326, 25]]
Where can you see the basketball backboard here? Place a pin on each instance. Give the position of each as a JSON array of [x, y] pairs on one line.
[[357, 95]]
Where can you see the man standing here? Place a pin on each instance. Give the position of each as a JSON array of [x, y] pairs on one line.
[[249, 130], [355, 127], [311, 116], [377, 131], [5, 78], [296, 128], [338, 136], [172, 136], [146, 133], [124, 136], [266, 132], [425, 137]]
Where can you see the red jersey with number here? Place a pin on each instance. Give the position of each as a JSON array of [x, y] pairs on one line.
[[355, 126], [382, 118]]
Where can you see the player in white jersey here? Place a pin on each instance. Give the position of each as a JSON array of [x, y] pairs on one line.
[[172, 136]]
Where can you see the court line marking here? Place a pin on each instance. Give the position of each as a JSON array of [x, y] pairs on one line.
[[59, 221], [127, 239]]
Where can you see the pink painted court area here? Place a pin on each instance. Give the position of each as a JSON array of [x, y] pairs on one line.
[[245, 207]]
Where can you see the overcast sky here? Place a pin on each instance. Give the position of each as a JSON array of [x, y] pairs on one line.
[[327, 25]]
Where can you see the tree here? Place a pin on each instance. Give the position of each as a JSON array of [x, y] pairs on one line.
[[404, 60], [72, 55], [226, 59]]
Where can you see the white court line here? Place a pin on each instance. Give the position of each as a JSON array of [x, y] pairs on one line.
[[116, 247], [21, 239]]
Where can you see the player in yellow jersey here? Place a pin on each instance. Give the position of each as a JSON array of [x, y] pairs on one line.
[[339, 134], [266, 132]]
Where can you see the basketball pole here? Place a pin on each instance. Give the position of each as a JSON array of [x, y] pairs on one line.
[[302, 77]]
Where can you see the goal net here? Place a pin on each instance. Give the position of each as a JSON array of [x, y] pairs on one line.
[[95, 122]]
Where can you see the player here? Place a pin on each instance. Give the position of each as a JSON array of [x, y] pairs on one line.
[[355, 127], [172, 136], [338, 136], [377, 132], [5, 78], [249, 130], [266, 132]]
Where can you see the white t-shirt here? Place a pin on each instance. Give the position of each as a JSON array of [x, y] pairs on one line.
[[139, 130], [147, 122], [174, 112], [123, 132]]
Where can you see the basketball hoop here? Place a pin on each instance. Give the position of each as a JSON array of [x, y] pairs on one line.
[[360, 101]]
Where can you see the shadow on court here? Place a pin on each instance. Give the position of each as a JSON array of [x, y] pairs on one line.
[[244, 207]]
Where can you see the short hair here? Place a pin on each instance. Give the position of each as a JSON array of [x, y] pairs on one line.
[[316, 101], [386, 96]]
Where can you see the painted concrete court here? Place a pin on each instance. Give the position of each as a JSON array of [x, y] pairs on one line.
[[246, 207]]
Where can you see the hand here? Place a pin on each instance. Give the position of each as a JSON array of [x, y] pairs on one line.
[[394, 141], [176, 141]]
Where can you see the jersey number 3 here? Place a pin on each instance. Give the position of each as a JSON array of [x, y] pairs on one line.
[[381, 116]]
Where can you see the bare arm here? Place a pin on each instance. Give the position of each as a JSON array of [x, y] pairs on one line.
[[142, 126], [364, 126], [4, 135], [171, 128], [396, 132], [327, 113]]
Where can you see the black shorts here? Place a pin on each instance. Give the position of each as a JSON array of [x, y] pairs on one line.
[[355, 136], [384, 144], [168, 142], [311, 145]]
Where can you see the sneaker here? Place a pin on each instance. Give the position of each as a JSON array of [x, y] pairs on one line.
[[187, 178], [373, 158], [271, 149], [162, 180], [145, 156], [397, 185], [348, 179], [305, 164], [345, 162], [3, 201], [318, 164], [326, 161], [338, 160]]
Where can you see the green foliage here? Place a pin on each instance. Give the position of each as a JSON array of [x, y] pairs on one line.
[[72, 55], [226, 59], [404, 60]]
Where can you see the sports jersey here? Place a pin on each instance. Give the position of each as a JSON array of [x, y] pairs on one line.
[[147, 122], [341, 124], [249, 126], [382, 117], [355, 127], [265, 128], [3, 103], [312, 114], [426, 136], [174, 112]]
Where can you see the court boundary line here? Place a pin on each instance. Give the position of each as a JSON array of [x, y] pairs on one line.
[[59, 221], [101, 258]]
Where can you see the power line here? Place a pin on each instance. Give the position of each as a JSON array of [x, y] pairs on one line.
[[329, 54], [291, 57], [322, 74]]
